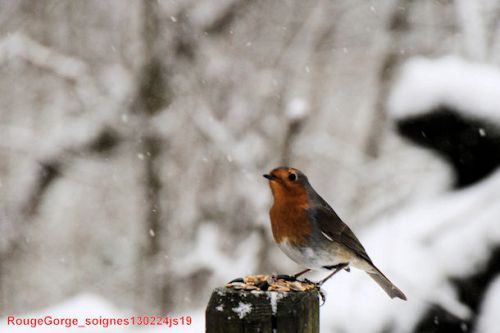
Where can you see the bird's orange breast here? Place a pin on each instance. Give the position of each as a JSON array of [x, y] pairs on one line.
[[288, 216]]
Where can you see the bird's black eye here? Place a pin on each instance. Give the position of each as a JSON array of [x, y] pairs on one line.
[[292, 177]]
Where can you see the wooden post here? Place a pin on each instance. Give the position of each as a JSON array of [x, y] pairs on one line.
[[243, 311]]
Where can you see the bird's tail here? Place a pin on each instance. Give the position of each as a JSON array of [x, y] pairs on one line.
[[385, 284]]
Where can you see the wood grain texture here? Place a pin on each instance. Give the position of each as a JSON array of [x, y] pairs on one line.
[[294, 312]]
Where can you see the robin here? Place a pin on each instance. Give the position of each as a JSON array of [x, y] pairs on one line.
[[309, 231]]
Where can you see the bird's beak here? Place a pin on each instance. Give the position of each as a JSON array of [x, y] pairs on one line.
[[270, 177]]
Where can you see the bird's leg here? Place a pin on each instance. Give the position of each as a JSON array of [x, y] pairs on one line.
[[296, 275], [338, 268]]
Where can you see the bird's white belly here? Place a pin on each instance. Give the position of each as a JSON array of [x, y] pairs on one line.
[[312, 258]]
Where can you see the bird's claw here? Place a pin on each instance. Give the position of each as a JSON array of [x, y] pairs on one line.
[[322, 295], [321, 291]]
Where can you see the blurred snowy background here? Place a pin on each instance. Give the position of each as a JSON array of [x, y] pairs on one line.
[[133, 136]]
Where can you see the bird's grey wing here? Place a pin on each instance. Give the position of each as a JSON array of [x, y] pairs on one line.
[[330, 224]]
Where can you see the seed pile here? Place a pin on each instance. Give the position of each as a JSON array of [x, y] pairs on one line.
[[270, 283]]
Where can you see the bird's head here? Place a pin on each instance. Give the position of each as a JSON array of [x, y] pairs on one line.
[[287, 183]]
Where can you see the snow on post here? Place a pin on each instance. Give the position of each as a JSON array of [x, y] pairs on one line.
[[236, 311]]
